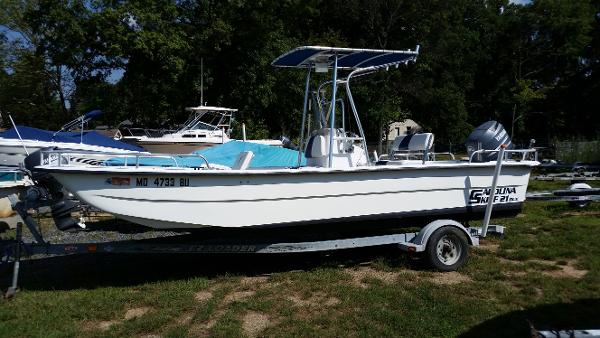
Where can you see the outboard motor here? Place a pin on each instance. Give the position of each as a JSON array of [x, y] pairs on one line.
[[287, 143], [489, 136], [61, 213], [61, 207]]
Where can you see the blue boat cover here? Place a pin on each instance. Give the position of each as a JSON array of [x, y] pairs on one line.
[[348, 58], [265, 156], [89, 137]]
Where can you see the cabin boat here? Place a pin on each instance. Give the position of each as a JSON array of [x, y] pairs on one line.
[[339, 183], [206, 127]]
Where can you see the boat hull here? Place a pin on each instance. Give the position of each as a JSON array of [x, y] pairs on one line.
[[184, 199], [183, 147], [158, 147], [12, 152]]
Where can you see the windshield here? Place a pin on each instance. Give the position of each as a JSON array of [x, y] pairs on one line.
[[208, 120]]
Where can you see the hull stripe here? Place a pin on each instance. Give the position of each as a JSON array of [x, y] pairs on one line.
[[289, 198]]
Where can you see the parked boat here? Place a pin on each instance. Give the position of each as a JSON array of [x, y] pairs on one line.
[[206, 127], [12, 181], [20, 141], [338, 183]]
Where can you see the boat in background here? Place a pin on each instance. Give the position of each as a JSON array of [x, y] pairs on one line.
[[339, 183], [206, 127], [20, 141], [13, 181]]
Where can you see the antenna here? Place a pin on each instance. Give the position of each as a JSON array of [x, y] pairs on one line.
[[18, 134], [201, 81]]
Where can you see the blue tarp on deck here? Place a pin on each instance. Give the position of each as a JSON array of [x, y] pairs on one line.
[[265, 156]]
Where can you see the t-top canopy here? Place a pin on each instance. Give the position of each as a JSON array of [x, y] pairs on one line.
[[209, 108], [348, 58]]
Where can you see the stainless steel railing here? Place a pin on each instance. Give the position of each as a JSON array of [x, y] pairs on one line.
[[525, 152], [66, 157]]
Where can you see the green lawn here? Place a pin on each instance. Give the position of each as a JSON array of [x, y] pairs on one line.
[[546, 270]]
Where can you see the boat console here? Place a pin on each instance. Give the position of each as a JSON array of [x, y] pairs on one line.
[[346, 153]]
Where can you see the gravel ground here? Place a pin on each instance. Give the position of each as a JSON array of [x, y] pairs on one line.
[[112, 230]]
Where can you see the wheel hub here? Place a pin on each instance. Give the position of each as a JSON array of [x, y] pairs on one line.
[[448, 251]]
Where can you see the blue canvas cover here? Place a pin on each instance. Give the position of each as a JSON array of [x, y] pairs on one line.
[[89, 137], [265, 156]]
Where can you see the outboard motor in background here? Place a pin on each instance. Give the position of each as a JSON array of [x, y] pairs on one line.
[[287, 143], [60, 206], [488, 136]]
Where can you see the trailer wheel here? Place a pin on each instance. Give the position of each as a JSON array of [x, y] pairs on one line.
[[447, 249]]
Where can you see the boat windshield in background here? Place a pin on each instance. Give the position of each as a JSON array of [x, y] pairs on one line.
[[209, 118], [80, 122]]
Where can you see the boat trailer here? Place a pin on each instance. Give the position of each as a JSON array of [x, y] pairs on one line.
[[577, 195], [444, 242]]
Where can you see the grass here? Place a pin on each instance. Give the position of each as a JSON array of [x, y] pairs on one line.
[[546, 270]]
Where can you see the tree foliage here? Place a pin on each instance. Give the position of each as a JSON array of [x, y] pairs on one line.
[[534, 66]]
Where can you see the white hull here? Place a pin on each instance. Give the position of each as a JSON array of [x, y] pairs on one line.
[[12, 152], [167, 145], [174, 147], [239, 198]]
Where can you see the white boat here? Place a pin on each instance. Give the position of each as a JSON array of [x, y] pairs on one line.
[[339, 183], [206, 127], [20, 141]]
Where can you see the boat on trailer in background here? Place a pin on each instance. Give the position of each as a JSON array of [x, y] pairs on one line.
[[339, 183], [206, 127], [20, 141]]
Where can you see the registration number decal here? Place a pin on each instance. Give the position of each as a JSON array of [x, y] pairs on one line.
[[162, 182]]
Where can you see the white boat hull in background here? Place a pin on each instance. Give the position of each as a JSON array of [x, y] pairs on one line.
[[12, 151], [161, 145], [176, 147], [178, 198]]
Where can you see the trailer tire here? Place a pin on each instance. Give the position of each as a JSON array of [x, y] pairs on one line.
[[447, 249]]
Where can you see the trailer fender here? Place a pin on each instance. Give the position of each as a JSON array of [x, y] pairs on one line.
[[419, 242]]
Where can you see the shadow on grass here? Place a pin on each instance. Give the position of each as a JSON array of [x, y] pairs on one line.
[[581, 314], [106, 269], [87, 271]]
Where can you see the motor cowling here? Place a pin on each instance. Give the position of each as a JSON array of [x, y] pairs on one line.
[[488, 136]]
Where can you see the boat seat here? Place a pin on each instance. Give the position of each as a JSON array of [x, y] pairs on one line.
[[243, 160], [413, 144], [316, 147]]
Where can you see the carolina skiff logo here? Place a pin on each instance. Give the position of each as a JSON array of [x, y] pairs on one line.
[[502, 195], [118, 180]]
